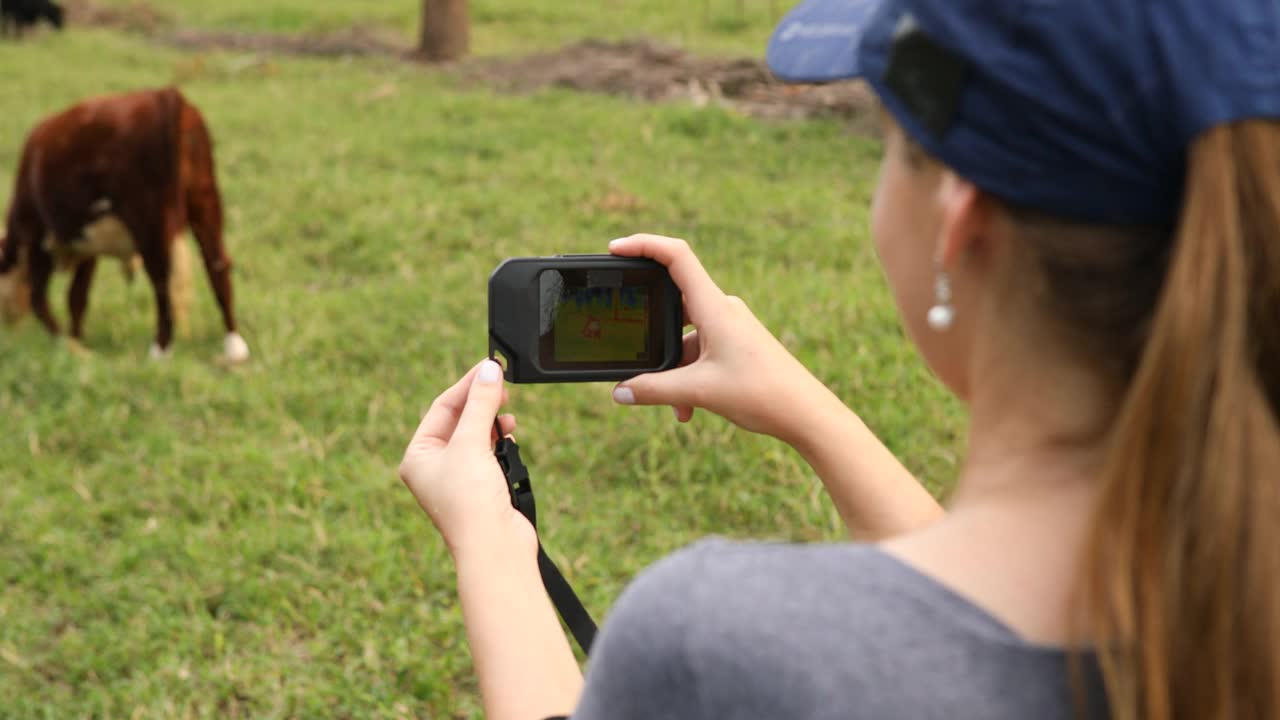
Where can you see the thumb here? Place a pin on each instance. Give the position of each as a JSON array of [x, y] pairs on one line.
[[475, 424], [673, 387]]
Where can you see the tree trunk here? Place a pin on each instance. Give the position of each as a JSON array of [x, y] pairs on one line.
[[446, 32]]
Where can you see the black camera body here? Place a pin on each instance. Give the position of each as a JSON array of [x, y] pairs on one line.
[[584, 318]]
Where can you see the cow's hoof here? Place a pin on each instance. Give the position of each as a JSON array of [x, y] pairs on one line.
[[159, 353], [235, 349], [75, 347]]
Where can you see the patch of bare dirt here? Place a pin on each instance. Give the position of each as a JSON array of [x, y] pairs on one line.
[[638, 69], [354, 41], [143, 18], [652, 72]]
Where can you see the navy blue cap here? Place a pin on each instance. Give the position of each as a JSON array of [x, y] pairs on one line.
[[1079, 108]]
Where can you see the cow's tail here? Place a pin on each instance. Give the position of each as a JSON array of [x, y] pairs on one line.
[[181, 292], [200, 182]]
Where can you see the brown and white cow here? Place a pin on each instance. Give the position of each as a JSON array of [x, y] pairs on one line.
[[117, 176]]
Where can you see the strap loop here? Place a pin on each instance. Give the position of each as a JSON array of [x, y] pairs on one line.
[[562, 595]]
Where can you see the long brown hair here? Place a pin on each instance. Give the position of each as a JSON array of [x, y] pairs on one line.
[[1181, 592]]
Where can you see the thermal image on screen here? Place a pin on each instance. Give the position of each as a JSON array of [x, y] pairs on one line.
[[602, 325]]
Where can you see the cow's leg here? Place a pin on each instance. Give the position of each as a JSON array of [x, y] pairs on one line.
[[156, 263], [78, 295], [148, 222], [40, 268], [205, 214], [218, 266]]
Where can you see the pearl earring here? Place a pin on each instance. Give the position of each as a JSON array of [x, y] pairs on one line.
[[942, 314]]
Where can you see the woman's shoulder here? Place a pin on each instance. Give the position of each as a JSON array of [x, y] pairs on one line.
[[721, 581], [778, 627]]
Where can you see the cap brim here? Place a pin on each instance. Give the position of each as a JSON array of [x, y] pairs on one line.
[[818, 41]]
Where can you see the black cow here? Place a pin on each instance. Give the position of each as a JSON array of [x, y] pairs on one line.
[[18, 15]]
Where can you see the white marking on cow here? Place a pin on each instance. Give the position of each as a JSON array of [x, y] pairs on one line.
[[235, 348], [106, 236]]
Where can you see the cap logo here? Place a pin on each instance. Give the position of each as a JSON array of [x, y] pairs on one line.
[[816, 31]]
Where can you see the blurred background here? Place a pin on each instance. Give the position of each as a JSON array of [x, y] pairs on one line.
[[182, 539]]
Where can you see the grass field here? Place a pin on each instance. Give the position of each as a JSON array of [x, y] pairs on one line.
[[179, 540]]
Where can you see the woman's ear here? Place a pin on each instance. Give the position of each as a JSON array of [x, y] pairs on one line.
[[967, 217]]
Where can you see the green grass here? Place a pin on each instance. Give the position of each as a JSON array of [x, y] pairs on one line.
[[737, 26], [178, 540]]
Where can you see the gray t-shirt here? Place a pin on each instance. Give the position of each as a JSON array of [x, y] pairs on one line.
[[728, 631]]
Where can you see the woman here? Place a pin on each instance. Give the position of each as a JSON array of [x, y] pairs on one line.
[[1079, 215]]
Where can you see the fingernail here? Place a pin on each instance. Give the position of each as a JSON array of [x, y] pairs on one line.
[[615, 242], [490, 371], [624, 396], [676, 412]]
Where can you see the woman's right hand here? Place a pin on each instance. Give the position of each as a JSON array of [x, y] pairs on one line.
[[732, 365]]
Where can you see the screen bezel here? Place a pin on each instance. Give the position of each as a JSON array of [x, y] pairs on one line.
[[650, 279]]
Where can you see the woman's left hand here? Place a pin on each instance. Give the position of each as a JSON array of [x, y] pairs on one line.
[[450, 468]]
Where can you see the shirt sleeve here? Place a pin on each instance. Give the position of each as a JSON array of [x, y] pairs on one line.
[[639, 668]]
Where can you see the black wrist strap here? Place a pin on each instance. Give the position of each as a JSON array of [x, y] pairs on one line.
[[563, 598]]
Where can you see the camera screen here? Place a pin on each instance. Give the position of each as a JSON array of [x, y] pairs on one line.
[[602, 324], [584, 318], [596, 317]]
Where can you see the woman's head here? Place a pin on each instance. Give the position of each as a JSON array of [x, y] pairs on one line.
[[935, 234], [1082, 292], [1049, 136], [1099, 183]]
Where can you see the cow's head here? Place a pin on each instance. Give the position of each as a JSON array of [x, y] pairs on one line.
[[15, 288]]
